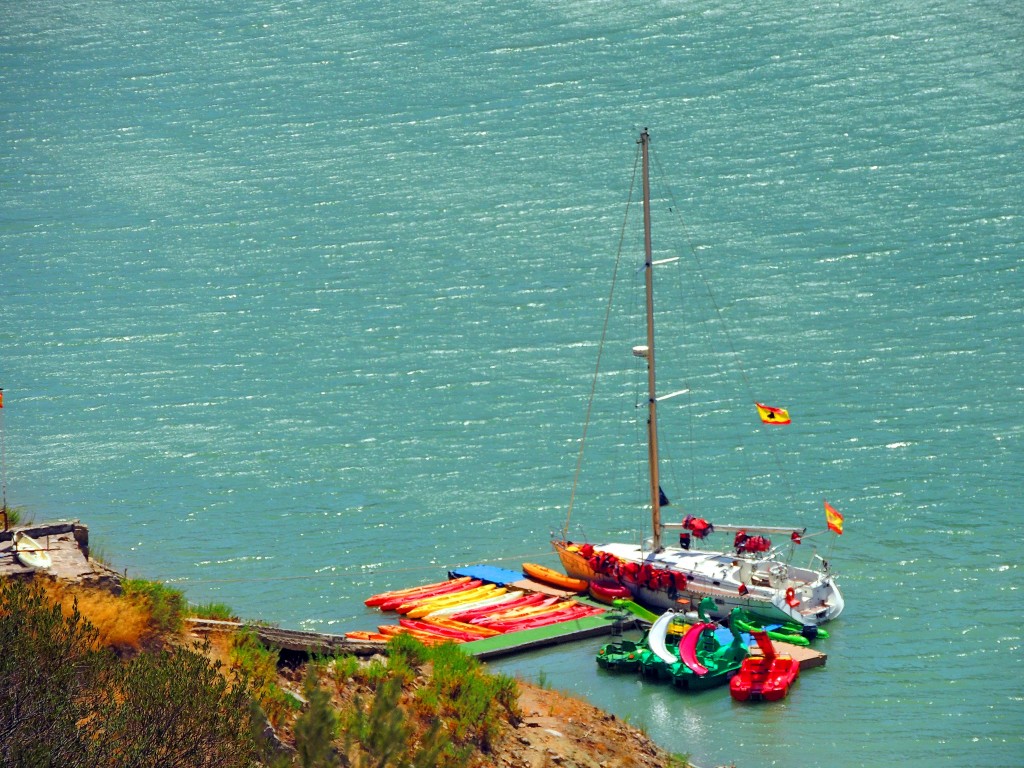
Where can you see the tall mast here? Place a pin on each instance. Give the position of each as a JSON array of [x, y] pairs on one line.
[[652, 402]]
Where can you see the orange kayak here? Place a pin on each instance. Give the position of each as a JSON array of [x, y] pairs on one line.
[[419, 609], [375, 637], [553, 578], [390, 630]]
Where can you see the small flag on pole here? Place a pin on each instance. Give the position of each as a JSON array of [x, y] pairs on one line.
[[834, 519], [770, 415]]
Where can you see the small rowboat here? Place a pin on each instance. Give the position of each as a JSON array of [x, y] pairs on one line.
[[553, 578], [30, 552]]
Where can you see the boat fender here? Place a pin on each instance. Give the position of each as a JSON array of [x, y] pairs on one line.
[[791, 600]]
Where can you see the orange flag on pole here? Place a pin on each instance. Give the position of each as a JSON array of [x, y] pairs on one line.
[[770, 415], [834, 519]]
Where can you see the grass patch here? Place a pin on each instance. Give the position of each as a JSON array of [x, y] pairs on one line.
[[121, 623], [166, 604], [17, 516], [98, 554], [215, 611]]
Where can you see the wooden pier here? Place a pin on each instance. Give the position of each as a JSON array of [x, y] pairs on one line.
[[299, 641]]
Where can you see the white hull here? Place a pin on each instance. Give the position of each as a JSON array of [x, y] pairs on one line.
[[30, 552], [774, 589]]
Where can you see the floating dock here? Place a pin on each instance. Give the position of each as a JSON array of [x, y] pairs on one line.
[[610, 621], [511, 643]]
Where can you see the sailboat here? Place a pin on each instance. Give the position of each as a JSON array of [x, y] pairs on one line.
[[750, 575]]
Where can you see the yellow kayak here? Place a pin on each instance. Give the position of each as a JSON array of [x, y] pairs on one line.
[[430, 606]]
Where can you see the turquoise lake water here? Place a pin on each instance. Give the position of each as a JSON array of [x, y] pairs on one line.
[[301, 302]]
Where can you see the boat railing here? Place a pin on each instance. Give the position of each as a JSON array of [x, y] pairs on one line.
[[769, 529]]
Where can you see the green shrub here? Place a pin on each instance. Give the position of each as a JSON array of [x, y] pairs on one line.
[[166, 604], [317, 727], [48, 673], [258, 665], [16, 516], [345, 668], [409, 648], [173, 701], [65, 703]]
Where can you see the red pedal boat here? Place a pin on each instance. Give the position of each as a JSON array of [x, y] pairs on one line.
[[766, 677]]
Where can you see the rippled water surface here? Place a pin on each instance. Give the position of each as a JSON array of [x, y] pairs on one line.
[[301, 303]]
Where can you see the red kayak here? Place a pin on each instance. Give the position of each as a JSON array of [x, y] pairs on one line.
[[609, 591], [559, 614], [533, 608], [438, 631], [766, 677], [553, 618], [386, 600], [523, 601], [463, 592]]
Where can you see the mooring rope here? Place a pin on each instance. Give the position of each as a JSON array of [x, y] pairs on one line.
[[600, 348]]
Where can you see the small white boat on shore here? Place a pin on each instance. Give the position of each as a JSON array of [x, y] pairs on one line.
[[30, 552]]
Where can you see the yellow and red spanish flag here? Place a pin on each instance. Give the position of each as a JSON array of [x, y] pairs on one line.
[[770, 415], [834, 519]]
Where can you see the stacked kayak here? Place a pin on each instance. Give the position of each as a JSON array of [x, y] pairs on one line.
[[389, 601], [464, 609]]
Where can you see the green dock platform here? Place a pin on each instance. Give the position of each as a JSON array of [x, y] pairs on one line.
[[552, 634]]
